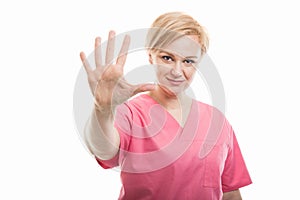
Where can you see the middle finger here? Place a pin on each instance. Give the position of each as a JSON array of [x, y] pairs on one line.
[[110, 48]]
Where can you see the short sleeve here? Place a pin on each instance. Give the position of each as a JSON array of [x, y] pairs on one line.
[[235, 174], [123, 124]]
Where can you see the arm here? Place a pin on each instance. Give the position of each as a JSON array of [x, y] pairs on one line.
[[232, 195], [100, 136]]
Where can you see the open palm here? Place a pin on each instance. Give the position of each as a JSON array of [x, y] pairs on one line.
[[106, 80]]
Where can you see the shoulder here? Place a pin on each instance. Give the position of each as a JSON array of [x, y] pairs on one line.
[[138, 104], [210, 111]]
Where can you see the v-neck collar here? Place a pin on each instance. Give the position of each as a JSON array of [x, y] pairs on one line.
[[181, 141], [188, 117]]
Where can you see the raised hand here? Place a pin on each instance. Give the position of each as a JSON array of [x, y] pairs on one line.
[[106, 81]]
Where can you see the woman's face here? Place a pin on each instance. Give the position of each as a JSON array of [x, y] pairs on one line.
[[176, 63]]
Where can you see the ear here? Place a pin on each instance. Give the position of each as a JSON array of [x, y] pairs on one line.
[[150, 58]]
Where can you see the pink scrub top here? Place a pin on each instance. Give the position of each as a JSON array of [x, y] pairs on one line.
[[159, 159]]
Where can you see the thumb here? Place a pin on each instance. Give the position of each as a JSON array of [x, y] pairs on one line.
[[144, 88]]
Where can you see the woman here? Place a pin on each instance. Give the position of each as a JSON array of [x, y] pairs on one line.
[[162, 139]]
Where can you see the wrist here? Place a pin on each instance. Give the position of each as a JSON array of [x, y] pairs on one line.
[[104, 111]]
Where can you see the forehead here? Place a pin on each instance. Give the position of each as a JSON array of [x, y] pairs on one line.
[[184, 46]]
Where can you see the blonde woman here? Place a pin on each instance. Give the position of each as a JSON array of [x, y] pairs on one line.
[[160, 138]]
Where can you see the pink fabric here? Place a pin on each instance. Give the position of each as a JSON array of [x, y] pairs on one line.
[[159, 159]]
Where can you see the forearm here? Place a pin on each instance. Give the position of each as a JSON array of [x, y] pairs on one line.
[[232, 195], [101, 137]]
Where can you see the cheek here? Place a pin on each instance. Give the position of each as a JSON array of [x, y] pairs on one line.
[[162, 69], [189, 72], [159, 72]]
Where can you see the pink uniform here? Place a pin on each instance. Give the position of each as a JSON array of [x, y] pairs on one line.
[[159, 159]]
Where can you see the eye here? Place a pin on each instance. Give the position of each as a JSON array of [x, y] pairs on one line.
[[189, 61], [167, 58]]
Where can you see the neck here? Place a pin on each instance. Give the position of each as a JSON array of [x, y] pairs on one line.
[[169, 100]]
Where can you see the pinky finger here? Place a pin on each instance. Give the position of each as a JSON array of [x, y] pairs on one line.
[[85, 62]]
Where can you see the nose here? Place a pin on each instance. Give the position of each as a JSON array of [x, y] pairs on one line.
[[177, 69]]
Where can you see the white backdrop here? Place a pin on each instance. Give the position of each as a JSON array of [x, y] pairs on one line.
[[254, 45]]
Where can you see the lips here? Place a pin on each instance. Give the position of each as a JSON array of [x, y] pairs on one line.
[[175, 81]]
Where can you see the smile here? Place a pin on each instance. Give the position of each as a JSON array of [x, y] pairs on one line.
[[175, 81]]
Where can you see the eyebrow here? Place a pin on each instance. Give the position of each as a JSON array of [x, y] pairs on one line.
[[166, 52]]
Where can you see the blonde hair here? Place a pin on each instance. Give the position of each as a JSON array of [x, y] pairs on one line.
[[170, 26]]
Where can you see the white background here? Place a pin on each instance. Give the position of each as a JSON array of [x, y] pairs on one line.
[[254, 44]]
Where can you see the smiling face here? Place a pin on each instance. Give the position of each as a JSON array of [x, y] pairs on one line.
[[176, 63]]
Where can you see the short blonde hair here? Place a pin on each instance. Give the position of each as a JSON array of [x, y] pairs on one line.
[[172, 25]]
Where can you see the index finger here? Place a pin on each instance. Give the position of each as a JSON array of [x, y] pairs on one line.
[[124, 50], [97, 53]]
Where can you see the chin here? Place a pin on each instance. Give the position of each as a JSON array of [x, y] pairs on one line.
[[172, 91]]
